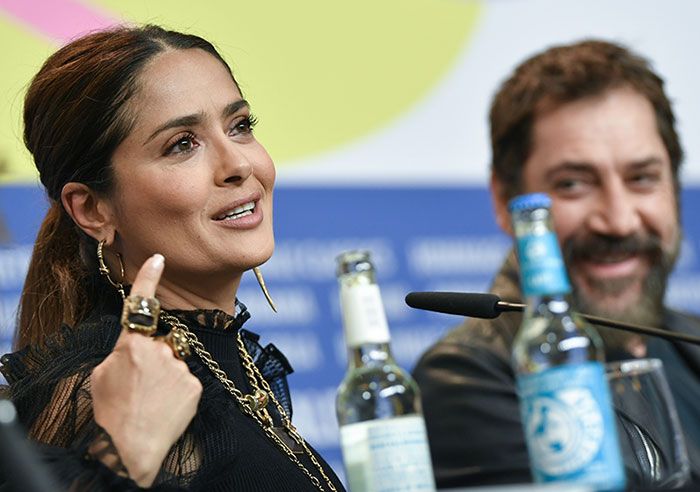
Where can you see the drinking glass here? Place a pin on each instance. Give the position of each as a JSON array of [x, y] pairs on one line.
[[651, 438]]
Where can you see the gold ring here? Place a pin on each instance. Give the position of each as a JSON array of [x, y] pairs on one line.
[[141, 314], [178, 342]]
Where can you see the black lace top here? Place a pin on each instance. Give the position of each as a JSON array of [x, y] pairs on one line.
[[222, 449]]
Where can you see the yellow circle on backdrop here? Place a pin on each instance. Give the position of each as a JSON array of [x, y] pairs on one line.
[[24, 54], [320, 74]]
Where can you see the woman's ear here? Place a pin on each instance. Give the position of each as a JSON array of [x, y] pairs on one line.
[[500, 205], [92, 213]]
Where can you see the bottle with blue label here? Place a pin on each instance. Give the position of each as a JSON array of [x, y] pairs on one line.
[[565, 401]]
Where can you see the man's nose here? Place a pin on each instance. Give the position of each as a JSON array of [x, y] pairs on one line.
[[616, 213]]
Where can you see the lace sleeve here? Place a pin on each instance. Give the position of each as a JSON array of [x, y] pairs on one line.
[[50, 387]]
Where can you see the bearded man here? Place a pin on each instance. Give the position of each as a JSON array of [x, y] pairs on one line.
[[590, 125]]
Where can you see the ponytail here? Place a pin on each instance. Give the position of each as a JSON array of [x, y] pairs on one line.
[[54, 291]]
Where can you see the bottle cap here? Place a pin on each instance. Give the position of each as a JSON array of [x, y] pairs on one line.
[[354, 261], [529, 202]]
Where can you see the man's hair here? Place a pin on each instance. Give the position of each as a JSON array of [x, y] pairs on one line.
[[563, 74]]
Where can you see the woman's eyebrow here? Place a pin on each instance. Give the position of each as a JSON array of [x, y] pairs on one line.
[[189, 120], [195, 119], [234, 107]]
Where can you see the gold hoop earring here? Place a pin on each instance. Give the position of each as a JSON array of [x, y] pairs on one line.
[[263, 287], [104, 269]]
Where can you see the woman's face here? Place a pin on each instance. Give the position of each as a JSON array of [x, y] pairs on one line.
[[192, 182]]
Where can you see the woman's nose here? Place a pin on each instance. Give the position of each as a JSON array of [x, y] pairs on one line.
[[234, 164]]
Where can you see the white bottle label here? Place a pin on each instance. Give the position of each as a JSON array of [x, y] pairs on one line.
[[387, 455], [363, 315]]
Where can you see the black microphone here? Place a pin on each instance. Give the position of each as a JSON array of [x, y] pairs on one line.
[[490, 306], [487, 306]]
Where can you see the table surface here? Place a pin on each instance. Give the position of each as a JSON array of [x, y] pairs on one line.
[[524, 488]]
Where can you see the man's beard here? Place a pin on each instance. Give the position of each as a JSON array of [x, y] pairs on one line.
[[648, 309]]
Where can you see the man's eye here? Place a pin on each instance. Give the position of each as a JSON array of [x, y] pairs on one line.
[[645, 179], [567, 184], [571, 186]]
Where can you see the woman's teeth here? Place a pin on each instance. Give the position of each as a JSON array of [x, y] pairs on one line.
[[238, 212]]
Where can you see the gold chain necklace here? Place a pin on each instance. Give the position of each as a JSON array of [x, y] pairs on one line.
[[254, 405]]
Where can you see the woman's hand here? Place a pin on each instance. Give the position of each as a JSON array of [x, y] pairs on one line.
[[142, 395]]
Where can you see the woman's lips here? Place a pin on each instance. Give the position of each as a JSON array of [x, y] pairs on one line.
[[246, 221]]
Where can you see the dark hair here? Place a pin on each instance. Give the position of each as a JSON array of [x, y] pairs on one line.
[[75, 116], [564, 74]]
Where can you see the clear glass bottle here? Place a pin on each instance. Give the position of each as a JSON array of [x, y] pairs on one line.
[[565, 403], [382, 431]]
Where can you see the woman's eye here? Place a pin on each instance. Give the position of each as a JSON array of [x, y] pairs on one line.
[[182, 145], [244, 125]]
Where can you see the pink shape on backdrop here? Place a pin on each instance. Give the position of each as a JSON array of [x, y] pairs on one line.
[[60, 20]]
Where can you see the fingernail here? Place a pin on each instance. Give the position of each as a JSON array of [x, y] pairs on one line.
[[158, 261]]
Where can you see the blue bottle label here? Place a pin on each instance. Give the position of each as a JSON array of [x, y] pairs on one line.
[[569, 426], [541, 265]]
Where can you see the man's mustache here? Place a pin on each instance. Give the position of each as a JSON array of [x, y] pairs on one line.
[[597, 246]]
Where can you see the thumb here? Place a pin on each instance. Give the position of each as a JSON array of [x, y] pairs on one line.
[[144, 286], [148, 277]]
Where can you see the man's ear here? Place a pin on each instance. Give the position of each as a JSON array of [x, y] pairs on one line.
[[91, 212], [500, 205]]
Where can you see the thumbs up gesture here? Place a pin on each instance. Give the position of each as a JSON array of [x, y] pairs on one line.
[[143, 396]]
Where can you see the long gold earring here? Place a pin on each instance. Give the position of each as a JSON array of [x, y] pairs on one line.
[[104, 269], [263, 287]]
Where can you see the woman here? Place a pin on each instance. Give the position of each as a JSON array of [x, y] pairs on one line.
[[158, 189]]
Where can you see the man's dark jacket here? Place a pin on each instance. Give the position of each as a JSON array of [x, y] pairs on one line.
[[471, 407]]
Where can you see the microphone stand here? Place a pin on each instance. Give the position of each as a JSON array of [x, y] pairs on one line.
[[489, 306], [597, 320]]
